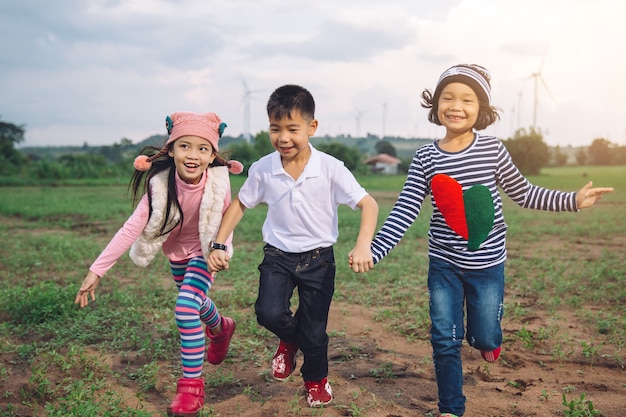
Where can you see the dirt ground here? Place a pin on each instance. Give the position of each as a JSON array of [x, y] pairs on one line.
[[376, 373]]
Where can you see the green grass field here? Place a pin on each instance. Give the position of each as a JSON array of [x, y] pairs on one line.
[[561, 261]]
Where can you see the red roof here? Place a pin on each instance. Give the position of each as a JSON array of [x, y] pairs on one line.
[[383, 158]]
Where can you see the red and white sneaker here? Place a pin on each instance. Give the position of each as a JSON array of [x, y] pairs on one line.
[[318, 393], [284, 360], [492, 355]]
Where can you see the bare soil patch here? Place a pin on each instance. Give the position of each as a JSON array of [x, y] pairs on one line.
[[377, 373]]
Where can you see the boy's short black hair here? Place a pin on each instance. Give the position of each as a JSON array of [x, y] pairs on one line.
[[290, 98]]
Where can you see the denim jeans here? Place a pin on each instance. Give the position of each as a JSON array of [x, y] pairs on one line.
[[313, 273], [452, 290]]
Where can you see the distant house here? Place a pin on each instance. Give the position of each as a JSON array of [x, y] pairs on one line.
[[383, 164]]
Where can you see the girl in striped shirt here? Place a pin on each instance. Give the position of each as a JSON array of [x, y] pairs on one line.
[[466, 241]]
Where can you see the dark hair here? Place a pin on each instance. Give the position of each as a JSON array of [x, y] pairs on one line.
[[288, 98], [487, 114], [161, 161]]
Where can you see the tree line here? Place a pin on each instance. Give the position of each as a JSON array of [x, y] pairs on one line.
[[527, 148]]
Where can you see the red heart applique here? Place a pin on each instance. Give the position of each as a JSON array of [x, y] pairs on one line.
[[470, 213], [449, 199]]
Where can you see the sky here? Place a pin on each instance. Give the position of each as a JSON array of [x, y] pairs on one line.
[[97, 71]]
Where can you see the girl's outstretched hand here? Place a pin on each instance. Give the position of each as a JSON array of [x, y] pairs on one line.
[[587, 196], [87, 288]]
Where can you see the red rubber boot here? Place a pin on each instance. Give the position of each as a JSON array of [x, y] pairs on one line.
[[218, 343], [189, 398]]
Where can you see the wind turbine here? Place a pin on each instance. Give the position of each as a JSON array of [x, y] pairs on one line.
[[247, 97], [384, 119], [538, 78], [516, 114], [357, 116]]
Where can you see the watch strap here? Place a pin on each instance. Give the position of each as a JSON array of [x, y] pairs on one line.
[[218, 246]]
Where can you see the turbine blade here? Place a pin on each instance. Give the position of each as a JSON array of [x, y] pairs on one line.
[[543, 82], [245, 84], [543, 59]]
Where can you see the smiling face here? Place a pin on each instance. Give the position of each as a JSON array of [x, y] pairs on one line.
[[192, 155], [458, 108], [290, 135]]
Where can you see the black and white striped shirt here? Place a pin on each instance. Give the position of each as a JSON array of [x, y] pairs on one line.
[[486, 161]]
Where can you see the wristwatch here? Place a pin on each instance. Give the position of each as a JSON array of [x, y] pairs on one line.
[[218, 246]]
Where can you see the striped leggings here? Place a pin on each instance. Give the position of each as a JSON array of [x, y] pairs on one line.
[[193, 307]]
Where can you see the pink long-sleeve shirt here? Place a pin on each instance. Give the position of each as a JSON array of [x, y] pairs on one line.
[[183, 242]]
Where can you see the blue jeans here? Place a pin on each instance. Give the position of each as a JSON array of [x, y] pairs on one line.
[[313, 273], [452, 290]]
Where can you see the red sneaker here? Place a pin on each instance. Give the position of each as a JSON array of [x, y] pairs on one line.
[[189, 398], [284, 360], [318, 393], [491, 356], [218, 343]]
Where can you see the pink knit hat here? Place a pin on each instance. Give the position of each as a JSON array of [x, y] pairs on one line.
[[208, 126]]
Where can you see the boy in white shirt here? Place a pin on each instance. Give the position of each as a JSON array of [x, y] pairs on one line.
[[302, 188]]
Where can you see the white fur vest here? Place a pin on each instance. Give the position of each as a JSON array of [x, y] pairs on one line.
[[147, 245]]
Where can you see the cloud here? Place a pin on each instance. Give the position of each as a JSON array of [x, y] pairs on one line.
[[338, 41], [98, 70]]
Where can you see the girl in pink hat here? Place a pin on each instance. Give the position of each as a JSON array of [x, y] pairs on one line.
[[186, 189]]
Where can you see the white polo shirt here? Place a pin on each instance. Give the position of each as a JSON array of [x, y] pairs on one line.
[[302, 213]]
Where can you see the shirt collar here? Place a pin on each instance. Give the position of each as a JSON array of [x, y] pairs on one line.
[[313, 166]]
